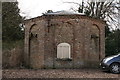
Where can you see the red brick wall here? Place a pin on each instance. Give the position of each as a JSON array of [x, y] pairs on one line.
[[75, 30]]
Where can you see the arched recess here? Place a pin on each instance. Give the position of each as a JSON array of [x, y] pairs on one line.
[[95, 39], [33, 44], [63, 50]]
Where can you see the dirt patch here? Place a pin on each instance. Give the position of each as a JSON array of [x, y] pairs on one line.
[[57, 73]]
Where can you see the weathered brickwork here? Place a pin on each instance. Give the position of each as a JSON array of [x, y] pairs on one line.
[[84, 34]]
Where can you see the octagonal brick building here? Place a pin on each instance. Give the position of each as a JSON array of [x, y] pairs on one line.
[[64, 40]]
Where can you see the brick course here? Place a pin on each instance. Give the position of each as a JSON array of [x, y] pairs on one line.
[[44, 33]]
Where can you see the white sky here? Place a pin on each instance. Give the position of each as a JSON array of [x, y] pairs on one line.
[[34, 8]]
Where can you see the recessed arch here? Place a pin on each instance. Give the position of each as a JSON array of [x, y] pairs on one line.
[[95, 38], [32, 26], [95, 30], [33, 43]]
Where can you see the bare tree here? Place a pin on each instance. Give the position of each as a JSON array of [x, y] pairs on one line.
[[107, 11]]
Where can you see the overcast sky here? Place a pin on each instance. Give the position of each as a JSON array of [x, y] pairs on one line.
[[34, 8]]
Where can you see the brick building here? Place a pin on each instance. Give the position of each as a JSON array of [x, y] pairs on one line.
[[64, 40]]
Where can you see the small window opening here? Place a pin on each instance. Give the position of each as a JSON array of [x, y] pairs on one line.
[[64, 51]]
